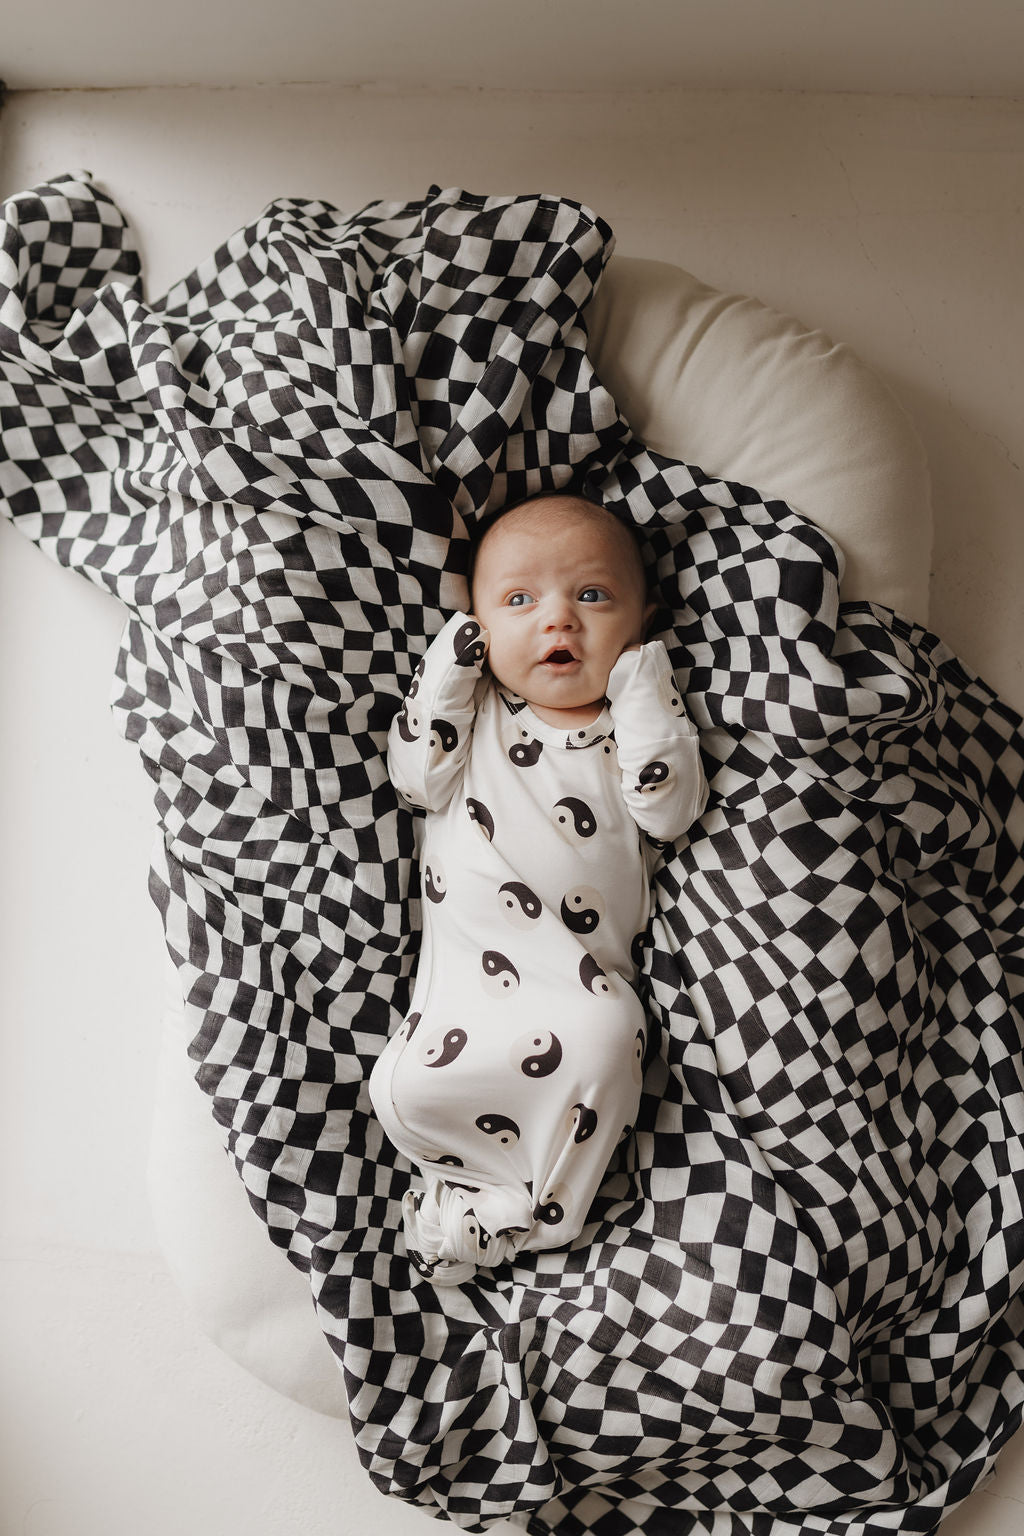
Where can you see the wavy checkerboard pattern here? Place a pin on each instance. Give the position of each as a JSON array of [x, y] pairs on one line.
[[796, 1306]]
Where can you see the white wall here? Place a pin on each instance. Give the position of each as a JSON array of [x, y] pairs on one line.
[[894, 223]]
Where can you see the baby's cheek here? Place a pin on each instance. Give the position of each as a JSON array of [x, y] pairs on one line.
[[502, 666]]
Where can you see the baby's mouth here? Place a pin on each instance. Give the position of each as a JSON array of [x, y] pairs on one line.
[[559, 657]]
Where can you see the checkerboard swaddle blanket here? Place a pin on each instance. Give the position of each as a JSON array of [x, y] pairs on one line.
[[796, 1306]]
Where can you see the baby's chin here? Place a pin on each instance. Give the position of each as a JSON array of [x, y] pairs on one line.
[[563, 707]]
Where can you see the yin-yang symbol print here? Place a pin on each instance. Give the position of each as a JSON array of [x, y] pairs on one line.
[[511, 1231], [593, 978], [469, 1189], [442, 1048], [519, 905], [481, 817], [434, 883], [652, 777], [551, 1207], [505, 1131], [468, 646], [582, 1122], [408, 1029], [526, 752], [475, 1231], [573, 819], [639, 1046], [538, 1054], [670, 695], [582, 909], [449, 1160], [443, 735], [409, 722], [499, 975]]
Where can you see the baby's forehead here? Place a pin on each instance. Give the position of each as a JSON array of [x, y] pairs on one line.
[[531, 538], [588, 537]]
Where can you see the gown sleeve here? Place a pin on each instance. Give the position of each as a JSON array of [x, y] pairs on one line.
[[663, 781], [429, 738]]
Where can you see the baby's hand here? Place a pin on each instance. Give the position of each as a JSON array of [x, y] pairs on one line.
[[471, 641], [484, 636]]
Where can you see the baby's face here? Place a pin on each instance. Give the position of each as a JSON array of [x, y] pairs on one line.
[[561, 606]]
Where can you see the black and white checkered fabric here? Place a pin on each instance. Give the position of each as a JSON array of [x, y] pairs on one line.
[[797, 1304]]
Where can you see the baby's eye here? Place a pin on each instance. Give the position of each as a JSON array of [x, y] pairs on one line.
[[519, 599], [594, 595]]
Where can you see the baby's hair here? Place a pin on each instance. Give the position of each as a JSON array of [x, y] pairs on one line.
[[536, 512]]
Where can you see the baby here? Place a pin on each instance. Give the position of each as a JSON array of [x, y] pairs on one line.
[[543, 738]]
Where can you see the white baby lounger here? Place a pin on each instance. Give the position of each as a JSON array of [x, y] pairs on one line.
[[749, 394]]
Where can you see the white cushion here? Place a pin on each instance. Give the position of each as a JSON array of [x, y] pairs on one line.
[[242, 1291], [752, 395], [747, 394]]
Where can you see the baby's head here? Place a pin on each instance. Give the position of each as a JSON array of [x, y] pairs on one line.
[[559, 583]]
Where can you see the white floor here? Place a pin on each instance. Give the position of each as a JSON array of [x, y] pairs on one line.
[[894, 223]]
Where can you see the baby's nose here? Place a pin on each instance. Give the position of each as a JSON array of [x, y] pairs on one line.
[[561, 614]]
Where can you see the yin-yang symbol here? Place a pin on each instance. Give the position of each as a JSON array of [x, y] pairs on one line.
[[470, 1189], [579, 743], [443, 735], [551, 1209], [434, 884], [420, 1263], [543, 1053], [475, 1232], [500, 976], [671, 696], [479, 814], [501, 1126], [449, 1160], [410, 725], [582, 909], [526, 752], [468, 646], [519, 904], [582, 1122], [638, 1058], [652, 777], [408, 1029], [639, 943], [573, 818], [442, 1048], [593, 978]]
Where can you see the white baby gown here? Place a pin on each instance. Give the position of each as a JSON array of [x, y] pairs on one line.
[[517, 1070]]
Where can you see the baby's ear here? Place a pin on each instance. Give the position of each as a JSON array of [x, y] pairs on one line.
[[649, 611]]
